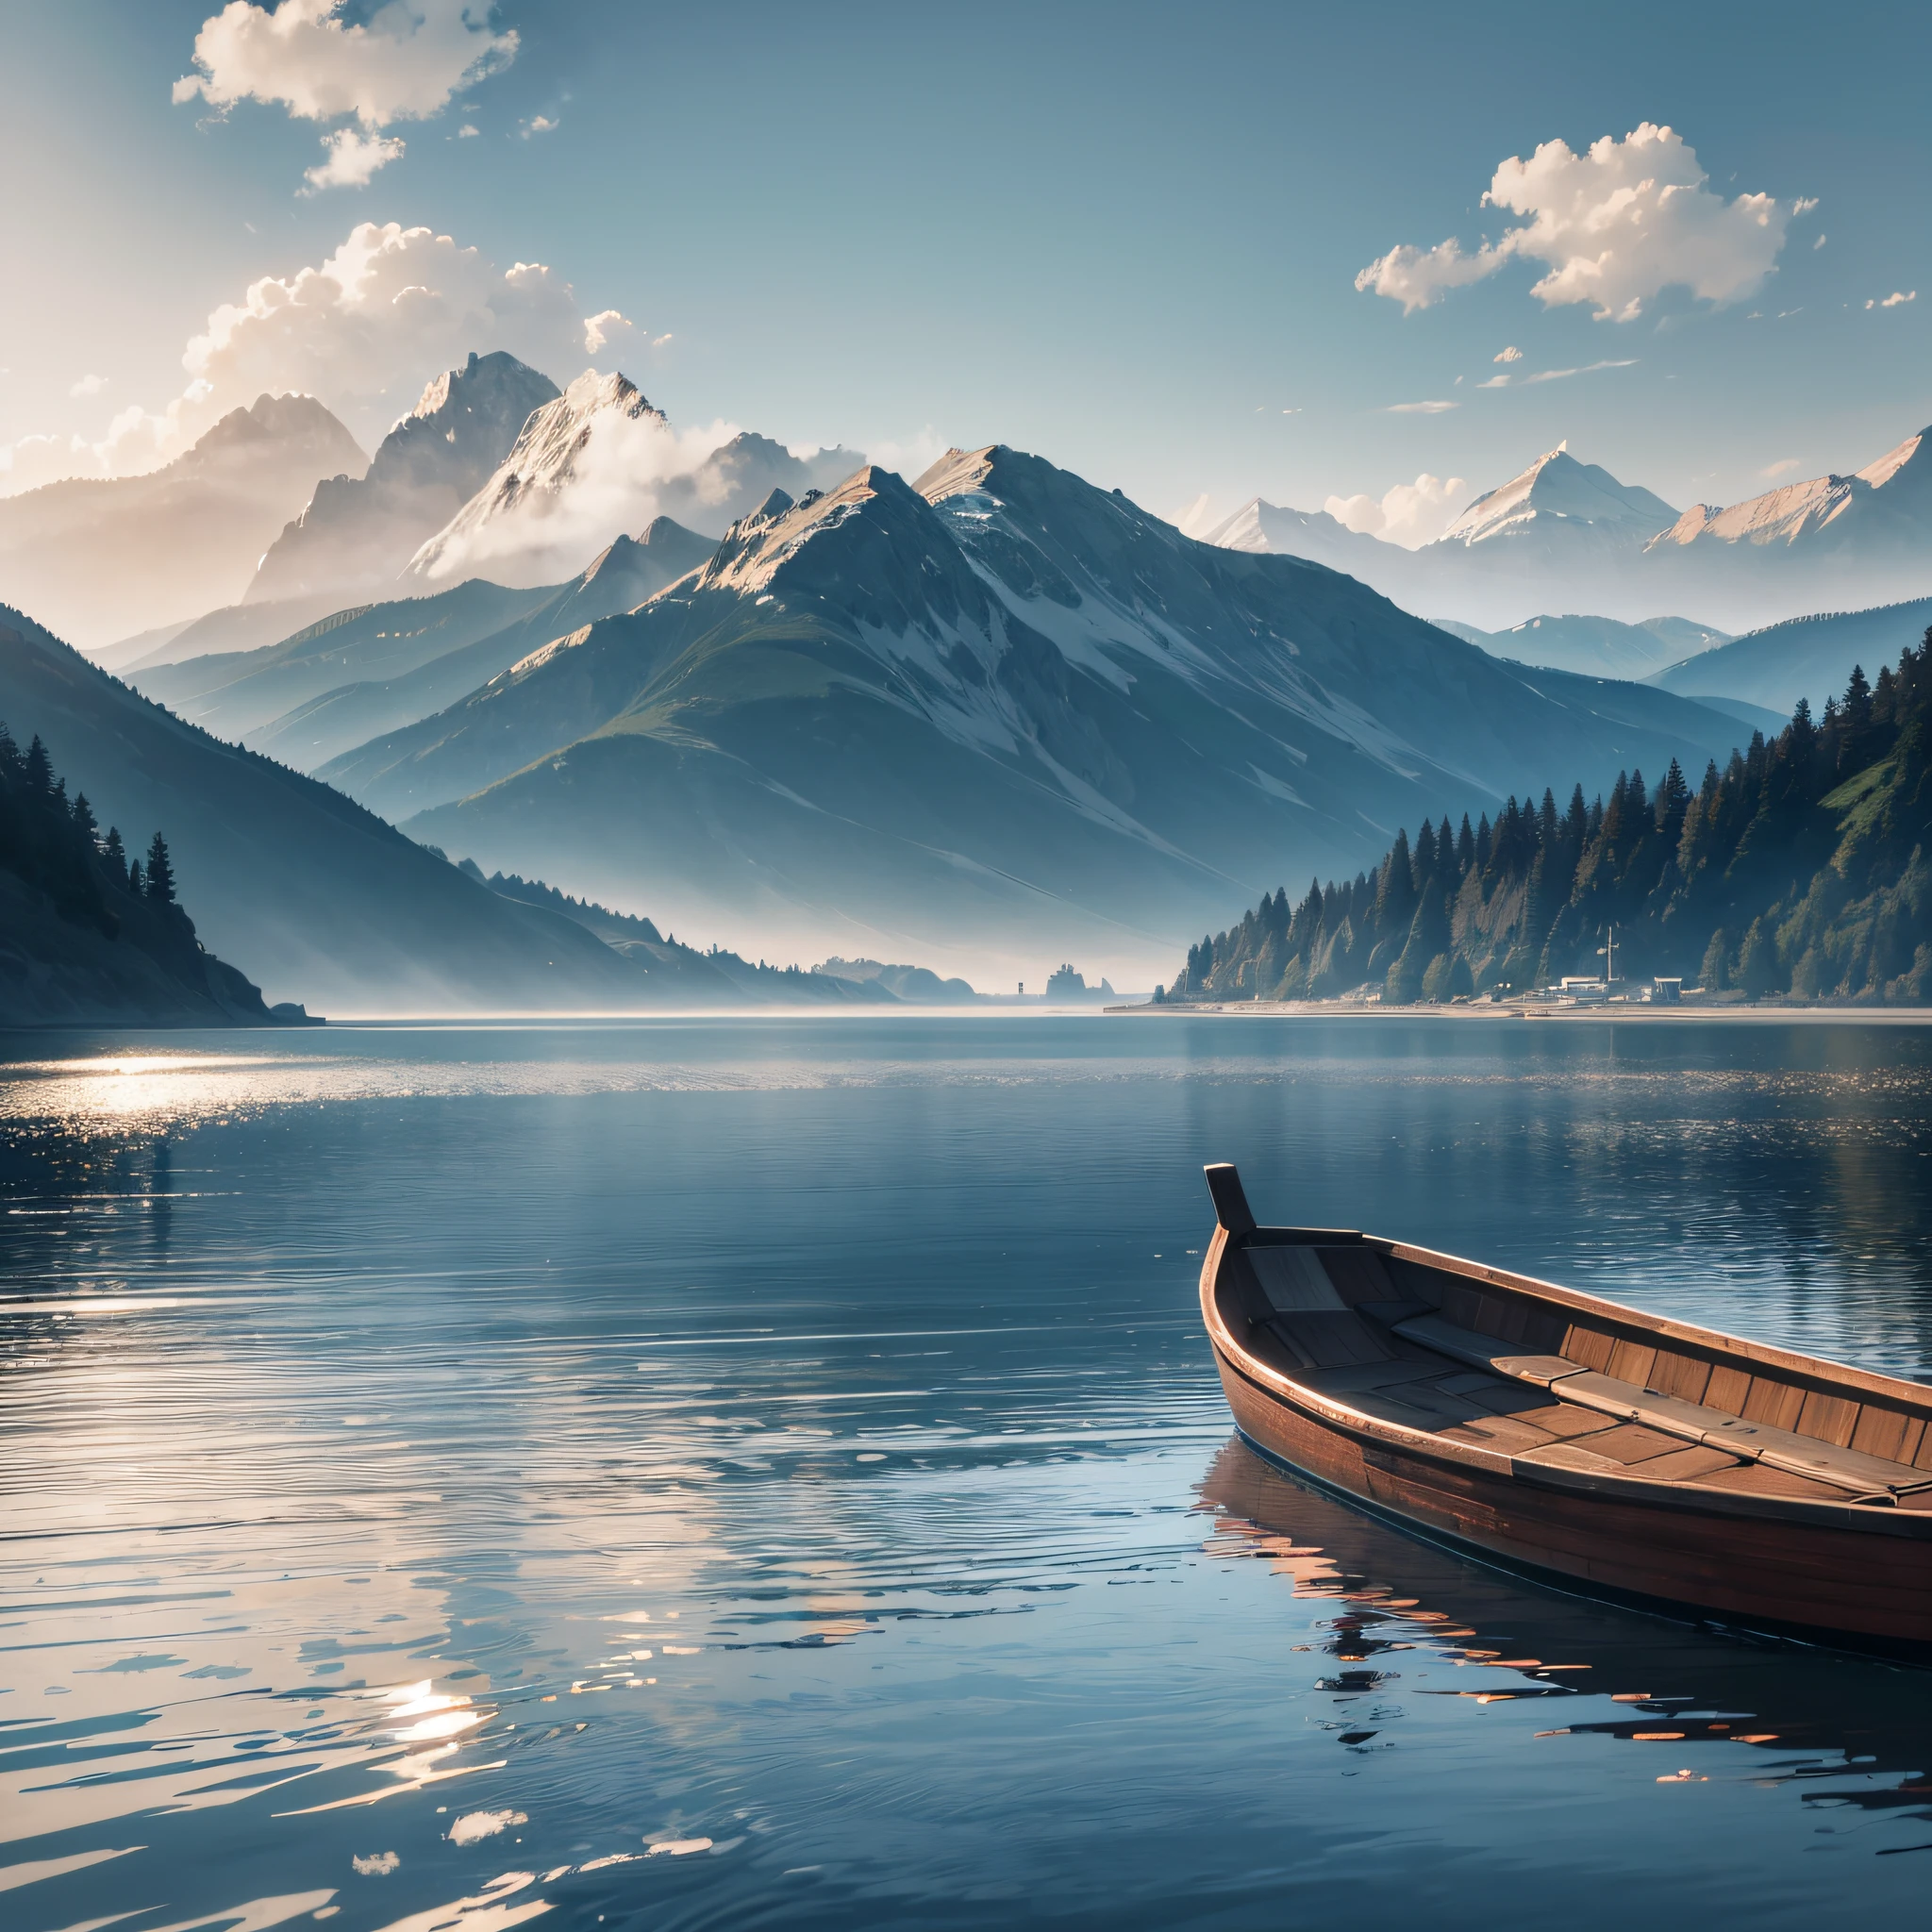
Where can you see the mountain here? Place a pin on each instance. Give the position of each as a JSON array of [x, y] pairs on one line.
[[373, 668], [1003, 710], [597, 461], [1809, 658], [87, 939], [1597, 646], [689, 976], [314, 898], [1559, 529], [1569, 530], [1799, 869], [105, 557], [1866, 537], [1558, 508], [358, 532], [234, 627]]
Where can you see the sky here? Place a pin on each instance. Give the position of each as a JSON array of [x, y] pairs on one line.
[[1198, 254]]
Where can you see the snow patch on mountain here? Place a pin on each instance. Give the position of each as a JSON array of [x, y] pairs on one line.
[[1556, 489]]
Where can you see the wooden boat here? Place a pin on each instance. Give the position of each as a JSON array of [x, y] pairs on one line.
[[1564, 1436]]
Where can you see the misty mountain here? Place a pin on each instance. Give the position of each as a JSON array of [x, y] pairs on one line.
[[103, 558], [1003, 704], [370, 669], [306, 893], [1809, 658], [1597, 646], [1554, 509], [598, 460], [358, 533], [1863, 539], [1571, 533], [233, 627]]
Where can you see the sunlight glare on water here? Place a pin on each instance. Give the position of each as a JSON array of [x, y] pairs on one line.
[[713, 1474]]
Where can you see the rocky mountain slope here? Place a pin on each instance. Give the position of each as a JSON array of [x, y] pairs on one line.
[[596, 461], [104, 559], [1001, 706], [358, 532]]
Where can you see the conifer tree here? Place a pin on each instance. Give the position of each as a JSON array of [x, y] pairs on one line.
[[161, 873], [116, 855]]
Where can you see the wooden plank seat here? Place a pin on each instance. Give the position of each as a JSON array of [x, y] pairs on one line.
[[1869, 1477]]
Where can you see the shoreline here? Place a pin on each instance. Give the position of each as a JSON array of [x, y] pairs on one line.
[[1596, 1015]]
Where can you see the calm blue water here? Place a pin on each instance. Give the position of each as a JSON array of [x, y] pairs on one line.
[[770, 1474]]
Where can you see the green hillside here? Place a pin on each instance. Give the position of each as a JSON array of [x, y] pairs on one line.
[[87, 936], [1799, 868]]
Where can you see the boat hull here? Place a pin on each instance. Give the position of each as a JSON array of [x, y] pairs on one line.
[[1765, 1572]]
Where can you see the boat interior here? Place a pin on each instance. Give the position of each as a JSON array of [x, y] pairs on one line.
[[1504, 1368]]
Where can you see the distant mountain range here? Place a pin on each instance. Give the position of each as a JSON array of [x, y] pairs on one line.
[[1571, 530], [102, 559], [1596, 646], [1809, 658], [1002, 709]]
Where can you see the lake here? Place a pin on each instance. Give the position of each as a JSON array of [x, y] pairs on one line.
[[692, 1473]]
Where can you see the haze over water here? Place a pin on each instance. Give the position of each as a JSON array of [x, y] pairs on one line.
[[769, 1472]]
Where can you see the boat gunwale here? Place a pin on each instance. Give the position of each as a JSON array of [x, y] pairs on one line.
[[1330, 1412]]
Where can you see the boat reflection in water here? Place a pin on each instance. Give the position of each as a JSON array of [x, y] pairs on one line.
[[1806, 1716]]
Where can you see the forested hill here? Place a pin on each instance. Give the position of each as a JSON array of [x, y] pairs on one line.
[[1801, 867], [88, 935]]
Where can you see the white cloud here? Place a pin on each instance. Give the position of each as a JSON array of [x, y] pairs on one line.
[[1780, 467], [363, 330], [1820, 242], [351, 160], [604, 326], [1410, 514], [1512, 354], [1433, 409], [88, 386], [1494, 382], [1897, 299], [374, 1864], [403, 65], [1613, 226], [909, 456], [1586, 368], [538, 124], [468, 131]]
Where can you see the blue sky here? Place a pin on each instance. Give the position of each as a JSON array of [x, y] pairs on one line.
[[1126, 237]]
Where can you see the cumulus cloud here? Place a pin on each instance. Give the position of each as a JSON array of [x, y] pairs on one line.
[[363, 330], [538, 124], [1897, 299], [88, 386], [1613, 226], [350, 160], [1511, 354], [603, 327], [1431, 409], [1410, 514], [403, 64]]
